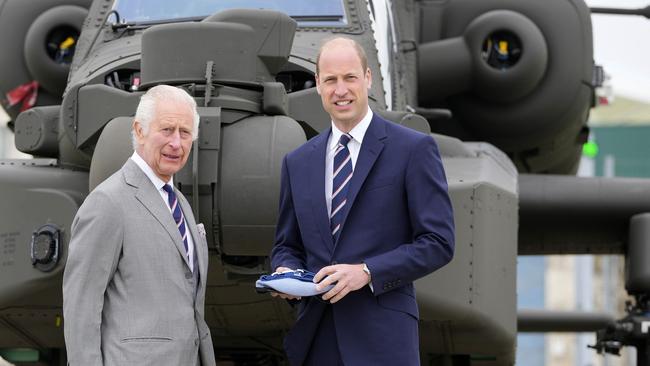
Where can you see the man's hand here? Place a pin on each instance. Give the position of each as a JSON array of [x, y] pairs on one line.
[[283, 269], [348, 277], [279, 294]]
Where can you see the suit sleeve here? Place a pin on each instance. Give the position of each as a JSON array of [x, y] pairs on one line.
[[432, 223], [93, 254], [288, 250]]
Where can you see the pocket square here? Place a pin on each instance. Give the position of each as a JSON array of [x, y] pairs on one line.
[[201, 229], [295, 283]]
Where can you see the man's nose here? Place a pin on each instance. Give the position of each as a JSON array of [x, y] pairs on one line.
[[341, 88], [175, 139]]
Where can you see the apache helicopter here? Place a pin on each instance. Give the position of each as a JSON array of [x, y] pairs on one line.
[[505, 87]]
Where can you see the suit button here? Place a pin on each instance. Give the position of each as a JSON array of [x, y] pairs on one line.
[[188, 275], [334, 263]]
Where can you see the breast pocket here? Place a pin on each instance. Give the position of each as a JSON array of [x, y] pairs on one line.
[[379, 183], [149, 339]]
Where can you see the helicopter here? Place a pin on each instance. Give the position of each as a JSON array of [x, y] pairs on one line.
[[504, 87]]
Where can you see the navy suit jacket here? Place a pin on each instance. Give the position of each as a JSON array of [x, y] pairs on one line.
[[398, 221]]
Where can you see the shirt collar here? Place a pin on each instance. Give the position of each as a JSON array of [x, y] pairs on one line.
[[157, 182], [357, 133]]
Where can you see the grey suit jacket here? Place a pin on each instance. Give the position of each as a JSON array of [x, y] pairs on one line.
[[129, 297]]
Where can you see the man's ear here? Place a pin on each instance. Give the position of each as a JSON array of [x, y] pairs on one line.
[[317, 84], [139, 133], [369, 77]]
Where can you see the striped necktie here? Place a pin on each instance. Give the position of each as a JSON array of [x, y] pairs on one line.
[[177, 213], [342, 173]]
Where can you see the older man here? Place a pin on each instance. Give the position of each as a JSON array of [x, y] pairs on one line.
[[365, 205], [134, 282]]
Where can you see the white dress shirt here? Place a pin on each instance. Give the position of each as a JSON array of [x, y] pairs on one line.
[[357, 133], [159, 183]]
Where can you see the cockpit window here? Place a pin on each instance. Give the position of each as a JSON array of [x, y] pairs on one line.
[[305, 12]]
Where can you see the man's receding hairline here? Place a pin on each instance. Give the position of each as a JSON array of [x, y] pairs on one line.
[[355, 45]]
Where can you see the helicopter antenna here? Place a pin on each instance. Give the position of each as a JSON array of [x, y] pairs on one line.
[[645, 12]]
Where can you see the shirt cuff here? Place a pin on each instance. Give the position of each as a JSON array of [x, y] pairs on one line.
[[367, 270]]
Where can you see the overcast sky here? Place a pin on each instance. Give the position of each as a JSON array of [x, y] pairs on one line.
[[622, 46]]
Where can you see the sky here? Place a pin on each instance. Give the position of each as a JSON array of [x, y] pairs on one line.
[[622, 46]]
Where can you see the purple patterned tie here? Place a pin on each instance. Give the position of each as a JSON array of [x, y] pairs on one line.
[[342, 173], [177, 213]]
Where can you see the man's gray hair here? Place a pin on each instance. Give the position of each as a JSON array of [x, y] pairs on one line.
[[146, 111]]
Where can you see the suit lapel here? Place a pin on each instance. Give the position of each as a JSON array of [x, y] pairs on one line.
[[316, 167], [147, 195], [371, 147]]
